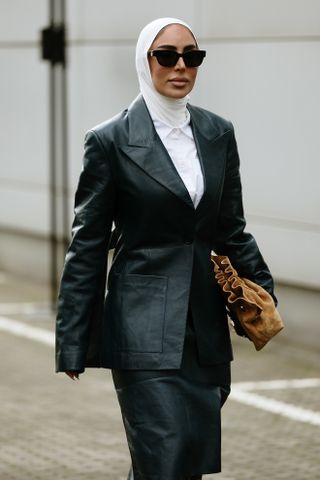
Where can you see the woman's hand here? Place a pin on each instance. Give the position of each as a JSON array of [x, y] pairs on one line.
[[73, 374]]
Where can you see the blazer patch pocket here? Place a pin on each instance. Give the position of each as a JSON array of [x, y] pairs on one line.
[[138, 311]]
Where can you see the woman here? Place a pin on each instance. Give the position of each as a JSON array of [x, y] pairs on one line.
[[167, 174]]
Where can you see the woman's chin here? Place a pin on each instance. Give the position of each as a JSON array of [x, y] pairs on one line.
[[176, 93]]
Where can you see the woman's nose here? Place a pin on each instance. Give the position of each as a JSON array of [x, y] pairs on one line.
[[180, 64]]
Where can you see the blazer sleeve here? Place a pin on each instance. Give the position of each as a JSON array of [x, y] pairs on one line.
[[84, 272], [230, 237]]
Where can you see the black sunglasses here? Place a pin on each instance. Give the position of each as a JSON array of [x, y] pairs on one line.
[[169, 58]]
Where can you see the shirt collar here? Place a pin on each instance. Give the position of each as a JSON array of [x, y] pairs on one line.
[[167, 129]]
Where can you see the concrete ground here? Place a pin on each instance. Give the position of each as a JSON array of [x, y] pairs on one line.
[[56, 429]]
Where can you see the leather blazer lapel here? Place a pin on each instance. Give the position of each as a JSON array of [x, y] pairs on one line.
[[211, 145], [148, 152]]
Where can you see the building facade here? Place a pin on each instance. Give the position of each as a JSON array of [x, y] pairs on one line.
[[262, 71]]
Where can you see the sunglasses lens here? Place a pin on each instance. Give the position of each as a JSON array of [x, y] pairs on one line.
[[194, 58], [167, 58]]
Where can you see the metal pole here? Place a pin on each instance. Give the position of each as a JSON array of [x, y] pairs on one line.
[[65, 169], [53, 179], [53, 50]]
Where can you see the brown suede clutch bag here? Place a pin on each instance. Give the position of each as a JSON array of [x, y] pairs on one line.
[[248, 303]]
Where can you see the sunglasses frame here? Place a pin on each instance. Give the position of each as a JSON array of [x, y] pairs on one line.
[[177, 55]]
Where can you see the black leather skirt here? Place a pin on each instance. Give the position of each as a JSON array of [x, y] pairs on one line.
[[172, 417]]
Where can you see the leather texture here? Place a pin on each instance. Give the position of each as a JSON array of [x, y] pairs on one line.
[[173, 426], [161, 262], [251, 304]]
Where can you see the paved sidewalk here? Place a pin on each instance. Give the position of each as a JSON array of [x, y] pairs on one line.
[[56, 429]]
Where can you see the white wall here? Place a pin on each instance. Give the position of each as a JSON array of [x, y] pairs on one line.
[[23, 118], [265, 76], [262, 71]]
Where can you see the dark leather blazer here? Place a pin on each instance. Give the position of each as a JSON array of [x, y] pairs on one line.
[[161, 263]]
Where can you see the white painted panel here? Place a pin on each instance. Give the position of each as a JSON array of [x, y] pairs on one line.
[[102, 82], [21, 20], [35, 265], [24, 208], [291, 254], [107, 19], [24, 117], [271, 93], [247, 18]]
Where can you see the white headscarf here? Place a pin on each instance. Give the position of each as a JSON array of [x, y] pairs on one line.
[[171, 111]]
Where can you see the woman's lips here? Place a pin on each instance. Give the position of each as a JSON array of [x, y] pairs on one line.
[[179, 82]]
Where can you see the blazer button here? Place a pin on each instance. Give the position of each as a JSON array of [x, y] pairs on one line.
[[188, 241]]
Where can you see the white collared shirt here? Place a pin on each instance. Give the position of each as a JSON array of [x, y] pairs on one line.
[[181, 147]]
